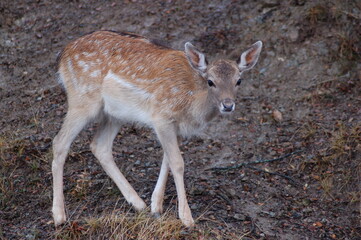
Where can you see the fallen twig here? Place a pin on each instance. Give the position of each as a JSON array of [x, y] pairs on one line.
[[275, 173], [254, 162]]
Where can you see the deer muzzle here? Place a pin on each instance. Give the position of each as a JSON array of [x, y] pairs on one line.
[[227, 105]]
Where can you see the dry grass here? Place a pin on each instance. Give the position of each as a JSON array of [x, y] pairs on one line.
[[349, 47], [335, 163], [17, 154], [8, 165], [10, 149], [348, 31], [83, 184], [308, 130], [344, 142], [142, 226], [342, 163], [317, 13], [6, 190], [327, 184]]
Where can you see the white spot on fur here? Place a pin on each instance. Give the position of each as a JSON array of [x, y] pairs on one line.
[[175, 90], [97, 42], [72, 75], [81, 86], [140, 68], [87, 54], [95, 73], [83, 65]]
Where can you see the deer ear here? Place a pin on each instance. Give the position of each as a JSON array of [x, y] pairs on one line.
[[249, 58], [197, 59]]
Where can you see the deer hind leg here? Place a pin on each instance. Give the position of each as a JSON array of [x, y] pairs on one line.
[[101, 147], [168, 139], [75, 120], [158, 193]]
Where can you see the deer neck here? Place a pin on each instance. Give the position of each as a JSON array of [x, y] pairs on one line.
[[203, 107], [200, 111], [208, 107]]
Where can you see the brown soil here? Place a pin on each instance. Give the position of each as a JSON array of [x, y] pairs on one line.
[[309, 72]]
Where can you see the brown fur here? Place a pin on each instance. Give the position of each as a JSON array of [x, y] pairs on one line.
[[160, 66]]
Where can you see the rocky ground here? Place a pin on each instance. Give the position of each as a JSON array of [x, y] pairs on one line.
[[304, 97]]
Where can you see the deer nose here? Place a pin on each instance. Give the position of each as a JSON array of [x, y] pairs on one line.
[[228, 105]]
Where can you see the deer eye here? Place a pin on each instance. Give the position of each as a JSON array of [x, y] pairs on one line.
[[210, 83], [238, 82]]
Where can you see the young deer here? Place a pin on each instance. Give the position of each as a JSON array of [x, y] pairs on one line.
[[117, 77]]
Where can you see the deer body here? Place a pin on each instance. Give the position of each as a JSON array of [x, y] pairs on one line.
[[127, 78]]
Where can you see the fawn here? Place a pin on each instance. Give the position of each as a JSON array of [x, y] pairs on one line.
[[120, 77]]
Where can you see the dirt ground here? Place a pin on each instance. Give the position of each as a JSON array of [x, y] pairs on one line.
[[303, 97]]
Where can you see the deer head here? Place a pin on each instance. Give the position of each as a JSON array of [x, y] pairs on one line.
[[223, 76]]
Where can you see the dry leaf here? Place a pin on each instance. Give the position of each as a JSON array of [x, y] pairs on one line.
[[277, 115], [317, 224]]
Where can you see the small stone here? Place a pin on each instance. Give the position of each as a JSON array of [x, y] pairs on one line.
[[298, 144], [293, 34], [239, 216], [296, 215], [263, 70], [261, 139], [335, 69], [194, 206], [9, 43], [271, 214], [231, 192], [307, 210], [198, 191]]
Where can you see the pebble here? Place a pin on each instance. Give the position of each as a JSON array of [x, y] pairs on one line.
[[239, 216], [307, 210], [231, 191], [293, 34], [9, 43], [194, 206], [298, 144]]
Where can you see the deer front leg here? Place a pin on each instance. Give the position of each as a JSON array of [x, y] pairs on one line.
[[168, 139], [158, 193]]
